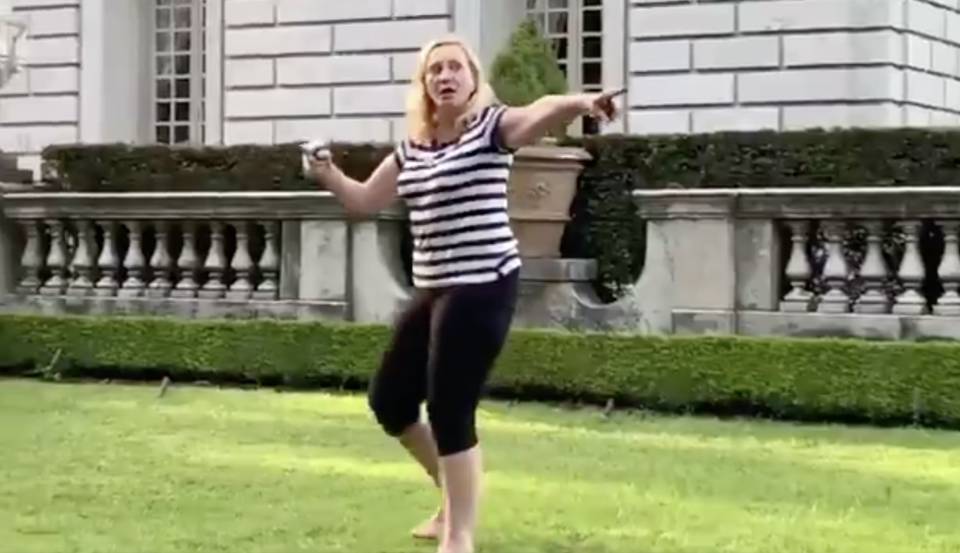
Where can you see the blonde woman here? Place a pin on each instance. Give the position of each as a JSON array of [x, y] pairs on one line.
[[452, 171]]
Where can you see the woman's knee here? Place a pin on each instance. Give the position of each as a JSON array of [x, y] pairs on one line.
[[453, 424], [398, 388], [396, 391], [394, 410]]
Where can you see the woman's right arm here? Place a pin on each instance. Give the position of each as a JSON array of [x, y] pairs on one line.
[[369, 196]]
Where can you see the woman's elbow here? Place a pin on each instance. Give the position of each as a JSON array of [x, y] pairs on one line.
[[360, 207], [371, 201]]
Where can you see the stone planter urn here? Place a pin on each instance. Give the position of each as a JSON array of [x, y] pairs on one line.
[[542, 185]]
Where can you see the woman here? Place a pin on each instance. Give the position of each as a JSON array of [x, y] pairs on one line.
[[452, 172]]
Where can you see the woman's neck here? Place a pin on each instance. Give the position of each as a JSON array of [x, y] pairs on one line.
[[445, 131]]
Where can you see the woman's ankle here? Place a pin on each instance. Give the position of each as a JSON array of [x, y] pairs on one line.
[[462, 475], [456, 544]]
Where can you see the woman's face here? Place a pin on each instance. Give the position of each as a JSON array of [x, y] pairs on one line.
[[448, 78]]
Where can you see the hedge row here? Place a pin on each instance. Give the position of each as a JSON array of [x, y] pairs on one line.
[[604, 223], [841, 157], [789, 378]]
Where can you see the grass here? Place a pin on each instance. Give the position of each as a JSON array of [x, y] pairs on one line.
[[114, 468]]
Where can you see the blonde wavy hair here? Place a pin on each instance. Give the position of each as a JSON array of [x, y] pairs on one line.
[[421, 109]]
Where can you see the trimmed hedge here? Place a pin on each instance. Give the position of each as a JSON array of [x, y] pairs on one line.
[[841, 157], [161, 168], [878, 382]]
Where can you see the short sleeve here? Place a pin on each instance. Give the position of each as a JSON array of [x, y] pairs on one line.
[[400, 153], [490, 121]]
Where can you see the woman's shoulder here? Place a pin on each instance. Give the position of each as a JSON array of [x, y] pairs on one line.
[[490, 111], [485, 116]]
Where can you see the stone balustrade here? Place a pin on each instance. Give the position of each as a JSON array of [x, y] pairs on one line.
[[243, 254], [191, 254], [872, 262]]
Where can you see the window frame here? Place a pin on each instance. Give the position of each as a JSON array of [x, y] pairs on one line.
[[574, 60], [200, 65]]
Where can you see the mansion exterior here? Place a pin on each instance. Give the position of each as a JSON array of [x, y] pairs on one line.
[[265, 71]]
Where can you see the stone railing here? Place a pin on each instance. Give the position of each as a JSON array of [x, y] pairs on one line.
[[869, 262], [256, 254], [880, 263], [192, 254]]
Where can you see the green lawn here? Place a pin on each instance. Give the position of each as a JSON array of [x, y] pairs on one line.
[[111, 468]]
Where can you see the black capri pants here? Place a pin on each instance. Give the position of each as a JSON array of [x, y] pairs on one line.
[[444, 345]]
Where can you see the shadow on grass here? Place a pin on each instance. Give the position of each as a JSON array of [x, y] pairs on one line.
[[587, 417], [552, 419], [654, 462], [782, 409]]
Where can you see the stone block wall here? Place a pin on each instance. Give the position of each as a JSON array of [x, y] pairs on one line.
[[301, 69], [40, 105], [298, 69], [787, 64]]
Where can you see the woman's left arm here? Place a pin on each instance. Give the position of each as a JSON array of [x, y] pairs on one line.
[[524, 125]]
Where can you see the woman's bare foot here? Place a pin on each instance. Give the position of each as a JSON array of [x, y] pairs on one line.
[[430, 529]]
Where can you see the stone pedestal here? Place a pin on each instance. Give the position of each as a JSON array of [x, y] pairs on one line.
[[548, 298]]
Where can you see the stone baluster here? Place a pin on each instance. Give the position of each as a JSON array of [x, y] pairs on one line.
[[83, 261], [799, 298], [161, 263], [32, 259], [242, 265], [56, 284], [134, 262], [949, 272], [835, 270], [269, 264], [911, 273], [214, 265], [873, 271], [108, 263], [187, 264]]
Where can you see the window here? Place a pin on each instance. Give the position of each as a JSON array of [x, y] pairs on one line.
[[574, 29], [179, 71]]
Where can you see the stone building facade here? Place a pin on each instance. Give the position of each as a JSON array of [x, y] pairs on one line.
[[262, 71]]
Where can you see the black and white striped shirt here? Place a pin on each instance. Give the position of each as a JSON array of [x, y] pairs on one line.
[[457, 197]]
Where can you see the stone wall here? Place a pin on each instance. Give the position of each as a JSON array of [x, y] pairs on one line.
[[300, 69], [40, 105], [291, 69], [786, 64], [296, 69]]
